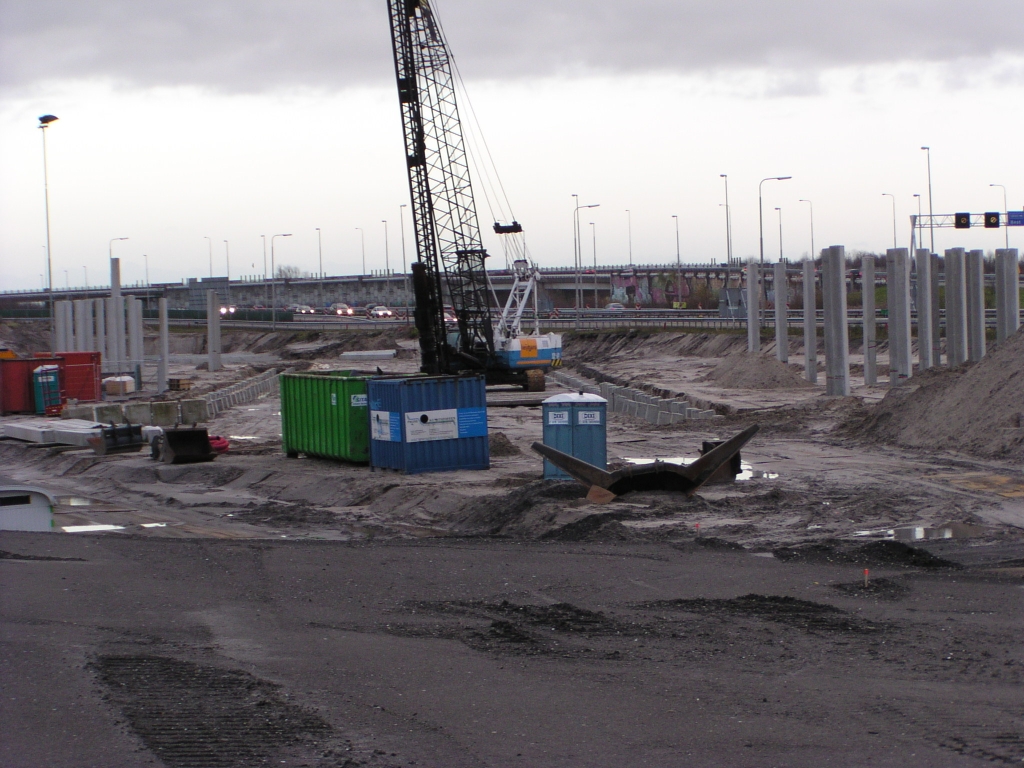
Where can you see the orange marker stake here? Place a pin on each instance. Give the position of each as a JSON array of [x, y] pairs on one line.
[[698, 529], [865, 577]]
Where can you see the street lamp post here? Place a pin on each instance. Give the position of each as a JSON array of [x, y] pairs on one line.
[[578, 256], [679, 266], [888, 194], [811, 205], [593, 232], [1005, 211], [629, 234], [273, 283], [780, 233], [917, 222], [362, 240], [728, 221], [320, 251], [227, 266], [44, 121], [110, 245], [760, 228], [145, 260], [931, 210], [67, 282], [405, 274]]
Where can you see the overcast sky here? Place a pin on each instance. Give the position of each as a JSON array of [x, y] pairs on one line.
[[228, 120]]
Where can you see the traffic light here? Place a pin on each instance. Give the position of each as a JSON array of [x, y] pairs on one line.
[[991, 220], [962, 221]]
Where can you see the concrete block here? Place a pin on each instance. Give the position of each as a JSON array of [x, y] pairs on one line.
[[678, 406], [678, 418], [78, 412], [75, 435], [194, 411], [664, 417], [32, 431], [105, 414], [631, 406], [165, 414], [138, 413], [693, 413], [652, 413]]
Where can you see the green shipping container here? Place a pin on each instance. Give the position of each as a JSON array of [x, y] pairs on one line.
[[325, 415]]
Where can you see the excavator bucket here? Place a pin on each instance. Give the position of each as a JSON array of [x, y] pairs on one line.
[[118, 438], [659, 476], [184, 446]]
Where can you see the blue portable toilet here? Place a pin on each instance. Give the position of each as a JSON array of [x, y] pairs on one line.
[[576, 424]]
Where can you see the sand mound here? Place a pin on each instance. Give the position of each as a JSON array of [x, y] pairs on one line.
[[975, 408], [742, 370]]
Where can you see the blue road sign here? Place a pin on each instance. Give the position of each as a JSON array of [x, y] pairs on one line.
[[1015, 218]]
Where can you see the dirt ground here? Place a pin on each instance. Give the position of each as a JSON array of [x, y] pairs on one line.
[[264, 610]]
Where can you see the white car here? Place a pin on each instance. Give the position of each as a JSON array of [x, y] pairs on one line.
[[378, 312]]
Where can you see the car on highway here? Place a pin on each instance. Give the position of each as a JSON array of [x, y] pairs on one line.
[[615, 307], [378, 312], [341, 310], [304, 309]]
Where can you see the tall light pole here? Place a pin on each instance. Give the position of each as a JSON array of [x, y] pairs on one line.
[[679, 265], [780, 233], [405, 274], [888, 194], [273, 283], [1005, 211], [728, 221], [320, 251], [227, 266], [265, 297], [209, 241], [362, 239], [145, 259], [578, 254], [110, 246], [931, 210], [629, 234], [917, 223], [387, 263], [760, 228], [44, 121], [593, 232], [67, 281]]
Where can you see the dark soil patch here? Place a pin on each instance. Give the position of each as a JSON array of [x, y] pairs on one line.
[[500, 445], [885, 589], [791, 611], [284, 515], [492, 514], [878, 553], [191, 715], [15, 556], [603, 526]]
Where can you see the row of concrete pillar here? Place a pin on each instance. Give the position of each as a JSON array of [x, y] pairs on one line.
[[965, 311], [106, 325]]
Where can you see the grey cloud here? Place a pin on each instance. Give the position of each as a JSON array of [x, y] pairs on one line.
[[255, 45]]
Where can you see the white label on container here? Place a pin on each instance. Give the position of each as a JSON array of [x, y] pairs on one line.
[[421, 426], [589, 418], [380, 426], [358, 401], [334, 398], [558, 418]]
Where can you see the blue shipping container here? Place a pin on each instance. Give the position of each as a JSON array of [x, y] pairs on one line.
[[429, 423], [576, 424]]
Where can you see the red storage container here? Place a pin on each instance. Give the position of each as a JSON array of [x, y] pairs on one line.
[[16, 382], [82, 379]]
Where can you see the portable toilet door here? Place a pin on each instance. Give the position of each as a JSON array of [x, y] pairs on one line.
[[576, 424]]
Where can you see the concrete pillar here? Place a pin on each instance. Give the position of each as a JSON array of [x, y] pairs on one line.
[[923, 263], [113, 364], [956, 307], [161, 371], [100, 339], [753, 307], [867, 271], [975, 273], [83, 323], [810, 324], [60, 341], [1007, 293], [213, 330], [898, 301], [936, 312], [135, 350], [781, 313], [837, 339], [121, 340]]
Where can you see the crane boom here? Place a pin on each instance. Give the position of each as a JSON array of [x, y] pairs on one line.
[[448, 243]]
